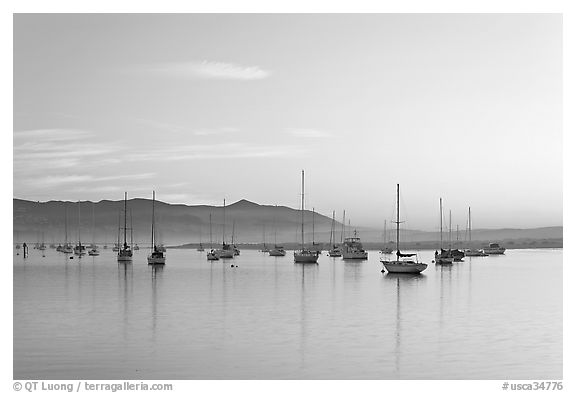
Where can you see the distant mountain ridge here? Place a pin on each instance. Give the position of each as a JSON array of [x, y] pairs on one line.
[[181, 224]]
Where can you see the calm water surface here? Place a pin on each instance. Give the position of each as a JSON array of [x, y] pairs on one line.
[[498, 317]]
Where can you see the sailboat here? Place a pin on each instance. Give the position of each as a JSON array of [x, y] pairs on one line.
[[454, 253], [67, 249], [125, 252], [404, 263], [79, 249], [443, 257], [156, 257], [304, 255], [93, 251], [334, 251], [385, 249], [227, 251], [211, 255], [277, 251], [471, 252]]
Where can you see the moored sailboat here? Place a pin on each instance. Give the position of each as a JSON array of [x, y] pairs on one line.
[[304, 255], [211, 255], [277, 251], [67, 248], [404, 263], [79, 249], [156, 257], [443, 257], [93, 250], [469, 252], [125, 251], [227, 251], [335, 251]]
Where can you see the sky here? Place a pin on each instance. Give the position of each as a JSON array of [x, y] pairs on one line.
[[202, 107]]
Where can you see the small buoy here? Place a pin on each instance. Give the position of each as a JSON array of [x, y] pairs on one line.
[[236, 265], [71, 257], [382, 271], [231, 265]]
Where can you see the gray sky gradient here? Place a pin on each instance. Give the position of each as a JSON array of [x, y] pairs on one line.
[[202, 107]]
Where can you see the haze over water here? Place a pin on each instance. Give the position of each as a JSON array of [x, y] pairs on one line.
[[498, 317]]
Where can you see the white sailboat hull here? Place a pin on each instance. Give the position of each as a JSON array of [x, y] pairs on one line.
[[404, 267]]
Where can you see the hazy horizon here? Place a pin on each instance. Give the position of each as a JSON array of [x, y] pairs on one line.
[[201, 107]]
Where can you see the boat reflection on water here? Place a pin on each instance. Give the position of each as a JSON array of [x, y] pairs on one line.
[[403, 282], [156, 276]]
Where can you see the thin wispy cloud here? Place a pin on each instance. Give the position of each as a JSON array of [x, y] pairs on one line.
[[309, 133], [46, 149], [211, 151], [50, 181], [209, 70], [51, 134]]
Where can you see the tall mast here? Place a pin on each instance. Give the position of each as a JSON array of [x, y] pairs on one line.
[[440, 224], [125, 213], [224, 225], [332, 229], [275, 229], [153, 218], [118, 243], [313, 214], [450, 229], [131, 230], [457, 235], [211, 246], [302, 231], [93, 227], [469, 228], [397, 221], [233, 225], [343, 226], [385, 237], [65, 224], [79, 223]]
